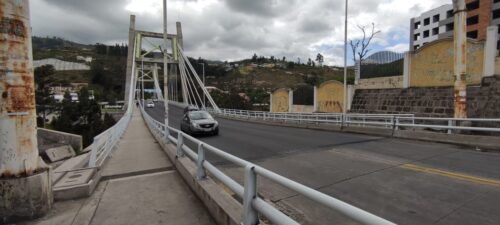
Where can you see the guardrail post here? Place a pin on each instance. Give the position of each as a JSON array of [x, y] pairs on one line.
[[250, 215], [200, 171], [167, 133], [93, 154], [450, 124], [342, 121], [396, 123], [180, 143]]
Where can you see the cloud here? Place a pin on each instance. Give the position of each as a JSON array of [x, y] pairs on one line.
[[235, 29], [403, 47]]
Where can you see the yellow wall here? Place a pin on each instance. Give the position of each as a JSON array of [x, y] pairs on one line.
[[381, 83], [432, 65], [331, 97], [302, 108], [280, 100]]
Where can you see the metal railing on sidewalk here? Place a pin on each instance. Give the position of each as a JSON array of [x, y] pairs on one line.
[[389, 121], [253, 205]]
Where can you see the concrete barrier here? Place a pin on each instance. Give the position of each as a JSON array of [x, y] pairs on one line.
[[47, 137]]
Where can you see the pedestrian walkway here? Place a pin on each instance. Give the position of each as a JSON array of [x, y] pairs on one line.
[[139, 186]]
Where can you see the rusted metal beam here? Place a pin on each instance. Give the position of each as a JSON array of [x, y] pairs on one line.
[[18, 143], [460, 58]]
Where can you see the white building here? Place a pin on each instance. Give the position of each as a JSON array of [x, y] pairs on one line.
[[426, 28], [60, 65]]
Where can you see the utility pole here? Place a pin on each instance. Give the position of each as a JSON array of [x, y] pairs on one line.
[[165, 66], [25, 181], [460, 56], [345, 58], [204, 99]]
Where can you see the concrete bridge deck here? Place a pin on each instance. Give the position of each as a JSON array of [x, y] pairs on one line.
[[139, 186]]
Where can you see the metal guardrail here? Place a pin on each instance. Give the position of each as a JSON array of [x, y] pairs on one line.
[[252, 203], [105, 142], [389, 121]]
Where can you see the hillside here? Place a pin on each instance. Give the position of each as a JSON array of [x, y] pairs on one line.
[[255, 77], [106, 76]]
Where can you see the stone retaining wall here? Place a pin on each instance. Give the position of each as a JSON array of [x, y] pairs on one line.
[[483, 101]]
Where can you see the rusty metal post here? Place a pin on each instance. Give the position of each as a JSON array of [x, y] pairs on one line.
[[24, 179], [460, 58]]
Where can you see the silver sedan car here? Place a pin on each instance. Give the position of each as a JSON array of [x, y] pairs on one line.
[[199, 122]]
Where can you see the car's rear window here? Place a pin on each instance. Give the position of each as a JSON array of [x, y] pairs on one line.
[[199, 115]]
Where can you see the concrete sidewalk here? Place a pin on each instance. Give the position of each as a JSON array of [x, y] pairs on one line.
[[139, 186]]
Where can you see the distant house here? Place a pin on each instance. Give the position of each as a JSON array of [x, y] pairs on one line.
[[59, 89], [87, 59]]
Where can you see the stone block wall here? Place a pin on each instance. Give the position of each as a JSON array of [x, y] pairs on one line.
[[435, 102], [482, 101]]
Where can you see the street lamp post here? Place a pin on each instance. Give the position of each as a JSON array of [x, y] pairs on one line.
[[345, 58], [204, 99], [165, 66]]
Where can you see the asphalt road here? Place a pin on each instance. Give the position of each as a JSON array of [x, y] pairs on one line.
[[405, 181]]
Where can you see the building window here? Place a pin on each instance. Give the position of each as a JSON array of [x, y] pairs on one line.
[[473, 5], [449, 27], [416, 37], [426, 33], [472, 20], [449, 13], [417, 25], [435, 18], [424, 43], [472, 34], [435, 31], [496, 14], [427, 21], [416, 47], [496, 1]]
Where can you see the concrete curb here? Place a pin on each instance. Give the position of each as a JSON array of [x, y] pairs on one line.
[[475, 141]]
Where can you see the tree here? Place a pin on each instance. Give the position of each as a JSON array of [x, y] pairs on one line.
[[284, 58], [360, 48], [254, 57], [320, 59], [43, 97], [309, 62]]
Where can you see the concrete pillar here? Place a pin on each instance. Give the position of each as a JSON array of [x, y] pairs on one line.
[[290, 100], [350, 96], [130, 56], [315, 99], [490, 51], [460, 58], [357, 73], [270, 102], [406, 70], [179, 34], [25, 185]]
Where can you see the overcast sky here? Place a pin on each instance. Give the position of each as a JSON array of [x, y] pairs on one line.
[[235, 29]]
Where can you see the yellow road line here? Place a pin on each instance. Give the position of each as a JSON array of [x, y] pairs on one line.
[[460, 176]]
